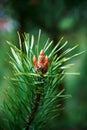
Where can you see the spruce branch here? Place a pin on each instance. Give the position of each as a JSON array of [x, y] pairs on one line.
[[31, 102]]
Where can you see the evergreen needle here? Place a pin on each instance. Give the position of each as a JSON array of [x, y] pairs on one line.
[[33, 98]]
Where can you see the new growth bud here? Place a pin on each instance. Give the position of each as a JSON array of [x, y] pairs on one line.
[[42, 63]]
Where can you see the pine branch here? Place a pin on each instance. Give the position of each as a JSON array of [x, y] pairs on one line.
[[31, 102], [36, 102]]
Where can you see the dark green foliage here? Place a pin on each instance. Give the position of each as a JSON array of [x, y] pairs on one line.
[[32, 100]]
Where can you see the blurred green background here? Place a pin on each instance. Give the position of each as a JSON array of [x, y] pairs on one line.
[[56, 18]]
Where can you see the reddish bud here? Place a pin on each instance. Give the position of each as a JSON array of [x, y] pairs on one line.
[[42, 52], [42, 63], [34, 60], [46, 62]]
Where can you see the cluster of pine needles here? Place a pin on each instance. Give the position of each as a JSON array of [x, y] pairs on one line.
[[32, 100]]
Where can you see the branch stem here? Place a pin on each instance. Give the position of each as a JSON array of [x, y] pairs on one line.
[[35, 106]]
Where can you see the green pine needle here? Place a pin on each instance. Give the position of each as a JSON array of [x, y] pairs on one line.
[[32, 100]]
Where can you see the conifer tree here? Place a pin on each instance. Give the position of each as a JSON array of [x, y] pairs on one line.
[[32, 100]]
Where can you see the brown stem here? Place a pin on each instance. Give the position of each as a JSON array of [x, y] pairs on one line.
[[36, 102], [34, 110]]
